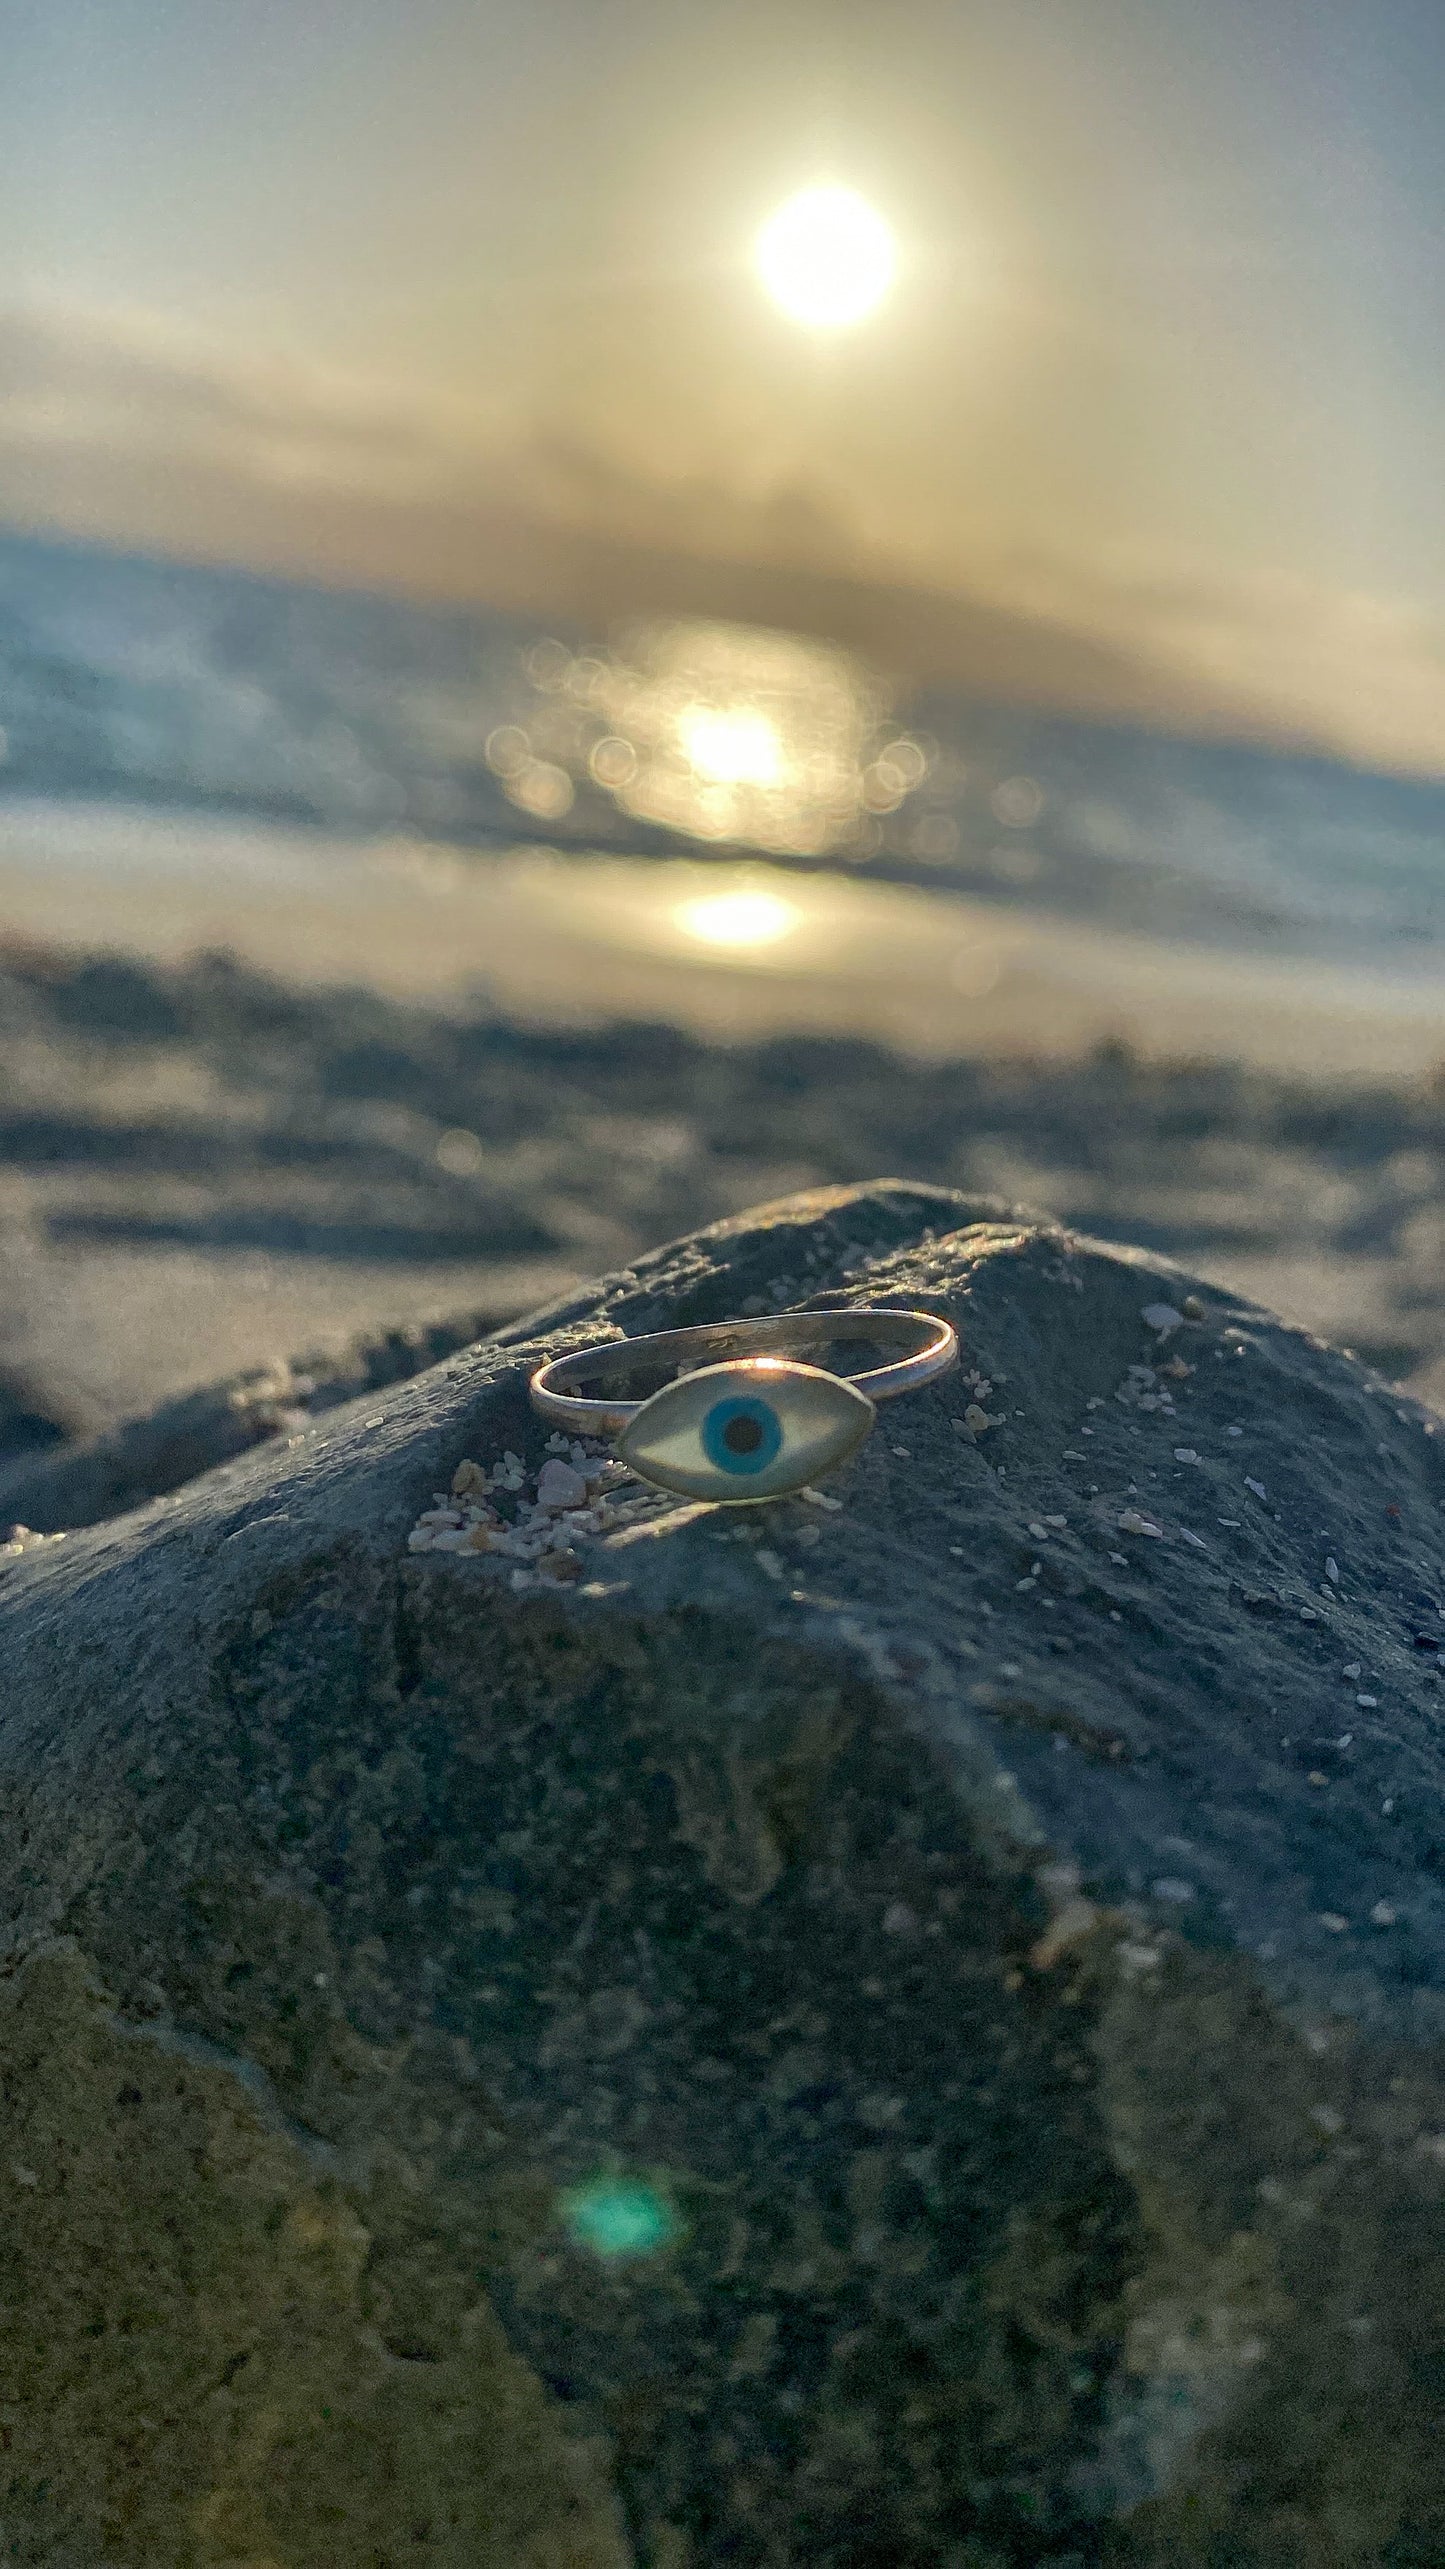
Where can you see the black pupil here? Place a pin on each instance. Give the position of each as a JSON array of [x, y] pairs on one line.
[[742, 1436]]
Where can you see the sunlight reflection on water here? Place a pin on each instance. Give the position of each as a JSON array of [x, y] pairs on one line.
[[746, 917], [720, 732]]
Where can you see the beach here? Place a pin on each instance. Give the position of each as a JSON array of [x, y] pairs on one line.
[[265, 1091], [722, 1289]]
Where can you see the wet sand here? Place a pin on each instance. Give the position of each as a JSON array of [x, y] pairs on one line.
[[567, 939], [426, 1083]]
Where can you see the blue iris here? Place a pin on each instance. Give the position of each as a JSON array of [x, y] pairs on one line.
[[742, 1434]]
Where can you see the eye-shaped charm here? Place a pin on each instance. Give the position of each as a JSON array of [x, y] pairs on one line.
[[748, 1430]]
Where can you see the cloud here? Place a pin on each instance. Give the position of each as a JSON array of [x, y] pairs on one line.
[[1366, 674], [1369, 671], [125, 386], [118, 429]]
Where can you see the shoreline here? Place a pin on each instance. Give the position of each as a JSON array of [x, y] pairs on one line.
[[216, 1164], [564, 939]]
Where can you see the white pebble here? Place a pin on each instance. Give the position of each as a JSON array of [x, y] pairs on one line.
[[1258, 1487], [1332, 1571], [1382, 1914], [1369, 1701], [1185, 1454], [1162, 1316], [1234, 1431], [1131, 1522], [559, 1486], [1352, 1669], [1196, 1539]]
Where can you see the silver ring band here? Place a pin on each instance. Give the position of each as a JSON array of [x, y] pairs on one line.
[[789, 1333]]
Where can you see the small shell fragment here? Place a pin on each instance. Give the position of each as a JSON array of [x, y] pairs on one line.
[[1162, 1316], [559, 1486]]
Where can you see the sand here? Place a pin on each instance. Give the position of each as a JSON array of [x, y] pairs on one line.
[[207, 1165], [428, 1083]]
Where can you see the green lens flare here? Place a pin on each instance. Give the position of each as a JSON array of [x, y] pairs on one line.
[[619, 2217]]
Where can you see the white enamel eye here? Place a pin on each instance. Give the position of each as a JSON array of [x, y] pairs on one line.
[[747, 1430]]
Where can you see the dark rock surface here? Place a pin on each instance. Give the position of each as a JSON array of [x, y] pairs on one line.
[[50, 1481], [906, 2036]]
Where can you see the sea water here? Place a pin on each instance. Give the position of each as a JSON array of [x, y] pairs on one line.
[[127, 681]]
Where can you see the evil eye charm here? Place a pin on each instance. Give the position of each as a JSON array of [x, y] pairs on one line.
[[748, 1430]]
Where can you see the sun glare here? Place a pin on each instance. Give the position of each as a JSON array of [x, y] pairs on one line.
[[826, 258], [740, 919], [731, 745]]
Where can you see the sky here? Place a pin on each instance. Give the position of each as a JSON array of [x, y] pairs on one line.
[[458, 297]]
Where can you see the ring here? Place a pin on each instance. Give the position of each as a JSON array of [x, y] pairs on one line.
[[754, 1424]]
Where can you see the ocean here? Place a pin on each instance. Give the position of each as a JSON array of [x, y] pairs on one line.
[[149, 684]]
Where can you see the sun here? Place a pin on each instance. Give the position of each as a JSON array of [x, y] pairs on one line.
[[827, 257]]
